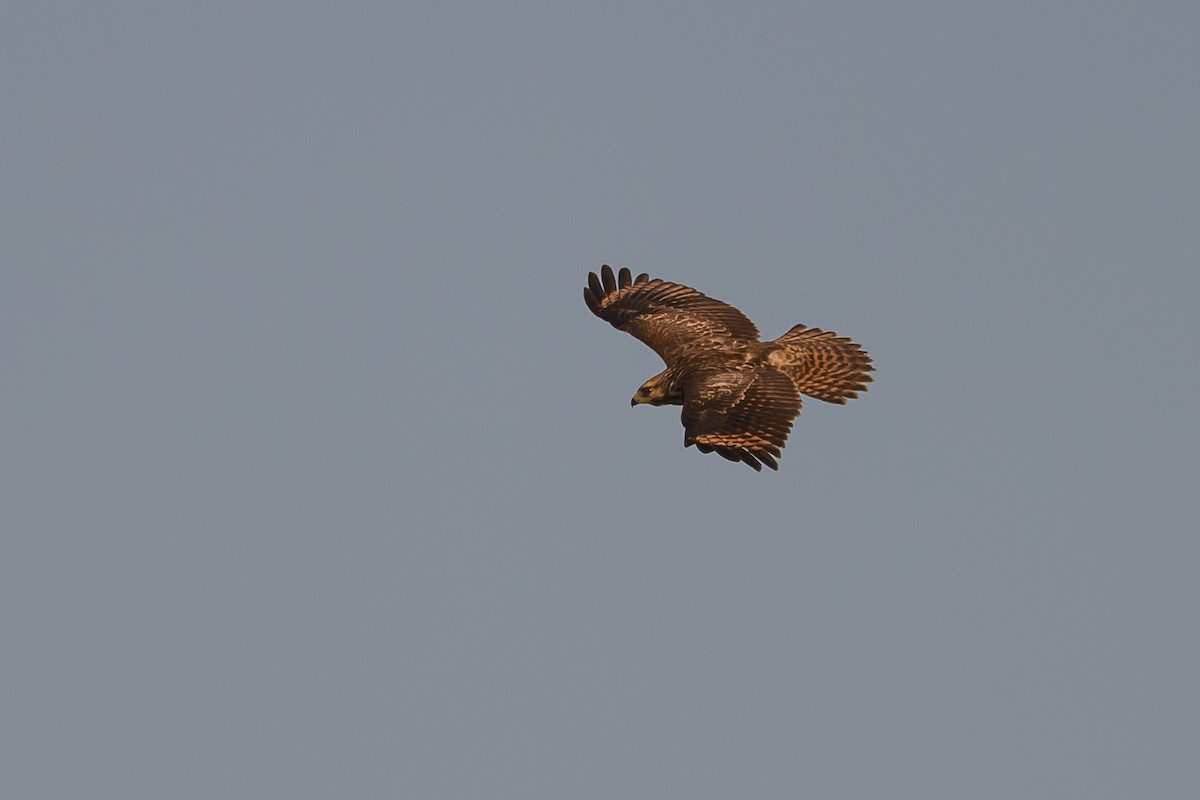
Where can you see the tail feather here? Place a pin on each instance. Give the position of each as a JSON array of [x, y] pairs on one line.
[[822, 364]]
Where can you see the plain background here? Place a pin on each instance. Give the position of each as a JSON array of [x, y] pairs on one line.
[[319, 480]]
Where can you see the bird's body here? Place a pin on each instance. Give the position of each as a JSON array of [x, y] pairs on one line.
[[739, 395]]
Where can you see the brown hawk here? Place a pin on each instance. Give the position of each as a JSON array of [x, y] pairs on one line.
[[739, 395]]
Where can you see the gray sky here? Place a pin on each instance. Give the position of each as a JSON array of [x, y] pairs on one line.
[[319, 480]]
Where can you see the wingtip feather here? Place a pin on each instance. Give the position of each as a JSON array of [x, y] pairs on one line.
[[606, 278], [594, 285]]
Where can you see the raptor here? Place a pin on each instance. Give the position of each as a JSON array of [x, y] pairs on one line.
[[740, 395]]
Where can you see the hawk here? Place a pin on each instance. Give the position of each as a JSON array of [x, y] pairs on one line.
[[739, 395]]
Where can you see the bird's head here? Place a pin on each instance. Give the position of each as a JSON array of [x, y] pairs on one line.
[[657, 392]]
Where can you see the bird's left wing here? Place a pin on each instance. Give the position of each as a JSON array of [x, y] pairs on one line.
[[742, 414]]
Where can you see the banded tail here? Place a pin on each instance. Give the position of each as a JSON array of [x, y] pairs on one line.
[[822, 364]]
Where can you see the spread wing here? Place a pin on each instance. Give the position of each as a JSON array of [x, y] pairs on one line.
[[743, 414], [668, 317]]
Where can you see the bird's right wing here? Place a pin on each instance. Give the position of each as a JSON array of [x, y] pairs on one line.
[[669, 317]]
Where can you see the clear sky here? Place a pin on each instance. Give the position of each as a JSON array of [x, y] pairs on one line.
[[317, 478]]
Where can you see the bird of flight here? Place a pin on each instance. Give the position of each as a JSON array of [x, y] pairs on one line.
[[739, 395]]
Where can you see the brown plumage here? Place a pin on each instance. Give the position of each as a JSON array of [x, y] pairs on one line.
[[739, 395]]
